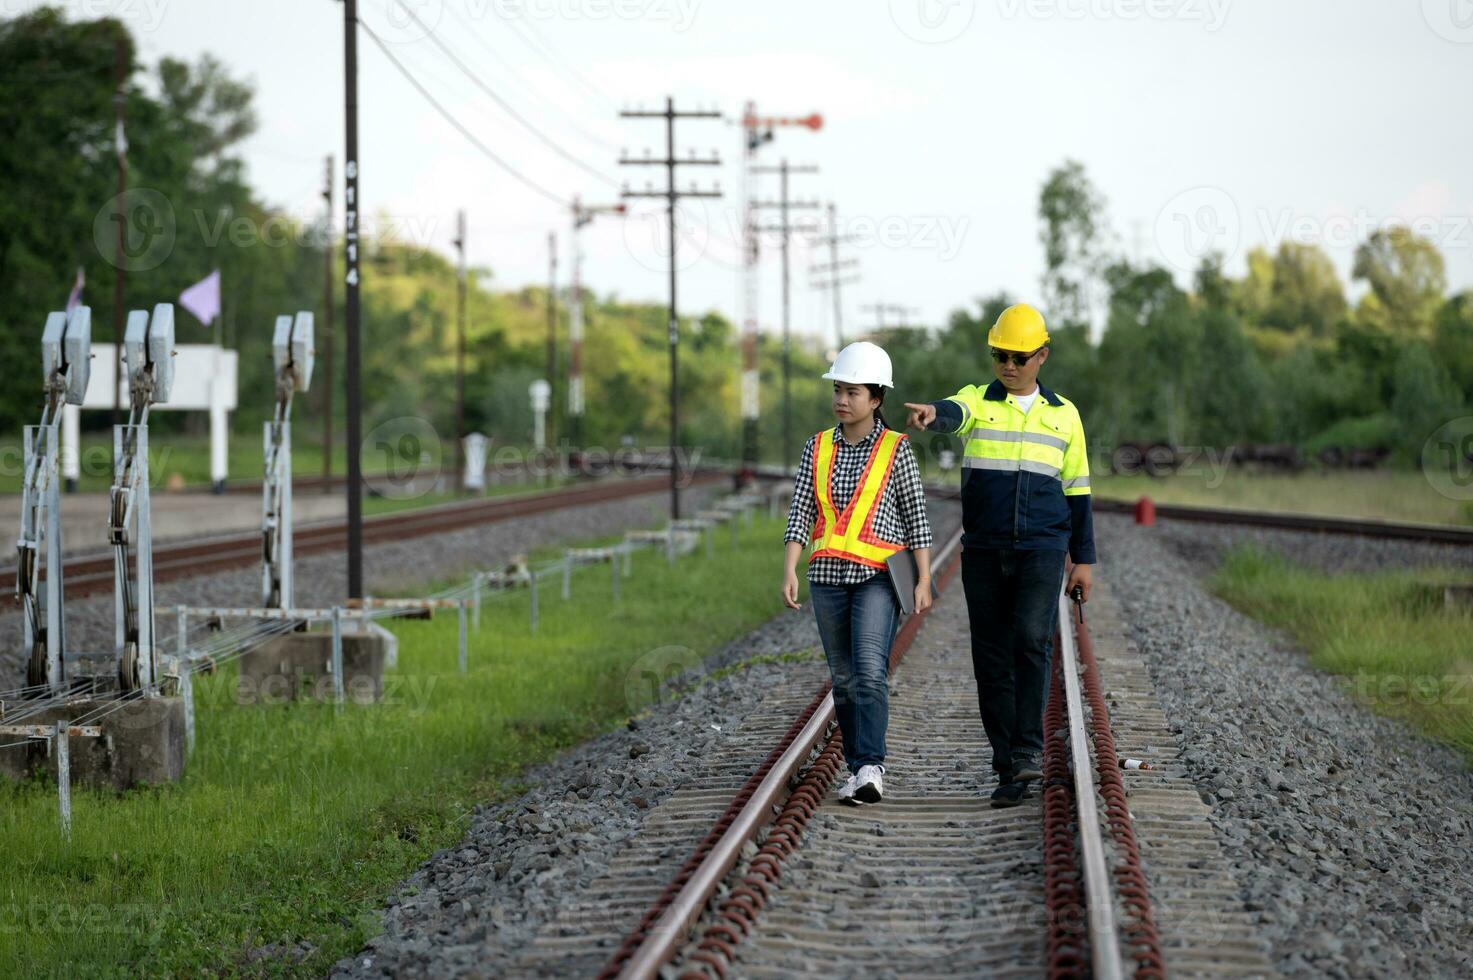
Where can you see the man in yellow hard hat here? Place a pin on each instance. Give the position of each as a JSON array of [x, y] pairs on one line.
[[1025, 504]]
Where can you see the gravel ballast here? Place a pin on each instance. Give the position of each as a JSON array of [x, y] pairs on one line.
[[1348, 834], [473, 909]]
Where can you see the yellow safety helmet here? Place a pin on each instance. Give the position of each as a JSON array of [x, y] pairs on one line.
[[1018, 328]]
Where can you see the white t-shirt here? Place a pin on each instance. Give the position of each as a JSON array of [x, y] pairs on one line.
[[1025, 402]]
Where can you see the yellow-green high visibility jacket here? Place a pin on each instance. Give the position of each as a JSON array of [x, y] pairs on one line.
[[1025, 478]]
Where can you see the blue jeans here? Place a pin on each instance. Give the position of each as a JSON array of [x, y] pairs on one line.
[[858, 624], [1012, 608]]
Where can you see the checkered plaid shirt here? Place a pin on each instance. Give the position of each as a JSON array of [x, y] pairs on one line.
[[900, 514]]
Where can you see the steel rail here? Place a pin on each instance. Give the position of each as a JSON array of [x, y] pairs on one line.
[[1104, 941], [669, 931], [1393, 530], [90, 573]]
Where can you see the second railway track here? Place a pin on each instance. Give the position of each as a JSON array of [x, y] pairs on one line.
[[87, 574]]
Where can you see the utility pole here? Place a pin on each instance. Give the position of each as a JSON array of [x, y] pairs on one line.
[[837, 271], [756, 130], [582, 215], [785, 205], [326, 333], [880, 309], [352, 207], [459, 456], [120, 274], [672, 198], [551, 327]]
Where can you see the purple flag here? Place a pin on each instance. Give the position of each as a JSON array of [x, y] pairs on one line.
[[76, 296], [203, 298]]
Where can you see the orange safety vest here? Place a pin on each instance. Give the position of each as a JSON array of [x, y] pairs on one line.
[[850, 534]]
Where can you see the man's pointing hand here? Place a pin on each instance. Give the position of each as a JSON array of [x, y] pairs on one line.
[[921, 415]]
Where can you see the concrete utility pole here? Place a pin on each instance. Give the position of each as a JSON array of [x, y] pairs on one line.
[[352, 207], [902, 314], [582, 215], [785, 205], [837, 271], [756, 130], [551, 319], [672, 198], [327, 311], [459, 456]]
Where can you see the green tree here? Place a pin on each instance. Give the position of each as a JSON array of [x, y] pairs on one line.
[[1149, 338], [1407, 279], [1452, 341], [1424, 400], [58, 165], [1254, 294], [56, 111], [1229, 387], [1074, 234], [1305, 294]]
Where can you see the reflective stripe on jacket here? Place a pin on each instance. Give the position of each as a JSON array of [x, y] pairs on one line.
[[1025, 478], [850, 533]]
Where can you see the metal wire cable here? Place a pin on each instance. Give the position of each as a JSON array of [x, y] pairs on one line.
[[559, 199], [497, 57], [108, 707], [530, 36], [526, 123]]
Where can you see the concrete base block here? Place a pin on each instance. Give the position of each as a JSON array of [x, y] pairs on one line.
[[391, 644], [297, 665], [142, 744]]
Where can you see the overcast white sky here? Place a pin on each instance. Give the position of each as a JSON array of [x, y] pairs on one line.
[[1222, 122]]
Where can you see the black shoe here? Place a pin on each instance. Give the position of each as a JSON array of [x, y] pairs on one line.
[[1009, 794], [1027, 767]]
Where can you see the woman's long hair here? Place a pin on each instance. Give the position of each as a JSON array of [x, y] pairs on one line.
[[878, 391]]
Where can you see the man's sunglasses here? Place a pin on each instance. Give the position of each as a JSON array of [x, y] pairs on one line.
[[1003, 356]]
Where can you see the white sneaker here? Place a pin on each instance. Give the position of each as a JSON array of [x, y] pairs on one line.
[[870, 786], [846, 792]]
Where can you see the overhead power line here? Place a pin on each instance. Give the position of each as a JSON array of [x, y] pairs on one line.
[[529, 35], [449, 117], [497, 58], [506, 106]]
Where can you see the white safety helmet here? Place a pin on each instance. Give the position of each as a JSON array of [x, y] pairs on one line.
[[862, 363]]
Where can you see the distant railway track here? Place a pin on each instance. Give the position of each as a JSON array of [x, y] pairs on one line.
[[91, 573], [1434, 533], [1362, 527]]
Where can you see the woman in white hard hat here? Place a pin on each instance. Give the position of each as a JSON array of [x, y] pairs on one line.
[[858, 497]]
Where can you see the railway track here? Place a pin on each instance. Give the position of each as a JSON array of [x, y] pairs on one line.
[[90, 573], [1393, 530], [1433, 533], [87, 574], [777, 877]]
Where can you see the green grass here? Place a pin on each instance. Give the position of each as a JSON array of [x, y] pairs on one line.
[[1388, 634], [293, 821], [1391, 495]]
